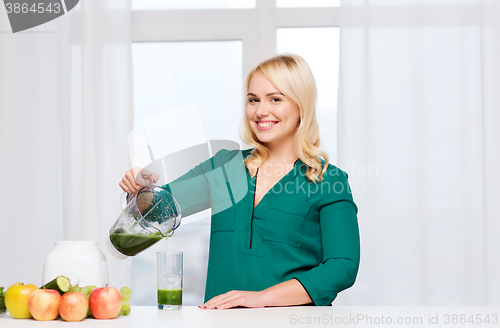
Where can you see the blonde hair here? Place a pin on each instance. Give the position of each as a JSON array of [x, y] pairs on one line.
[[291, 75]]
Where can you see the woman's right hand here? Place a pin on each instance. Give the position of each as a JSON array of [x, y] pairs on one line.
[[137, 178]]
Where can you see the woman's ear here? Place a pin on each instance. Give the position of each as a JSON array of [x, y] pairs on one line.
[[299, 123]]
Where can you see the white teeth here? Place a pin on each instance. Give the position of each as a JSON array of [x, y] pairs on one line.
[[266, 124]]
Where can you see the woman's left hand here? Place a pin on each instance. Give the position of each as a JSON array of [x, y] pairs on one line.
[[236, 298]]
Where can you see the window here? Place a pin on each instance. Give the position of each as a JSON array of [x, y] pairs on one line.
[[200, 52], [208, 73]]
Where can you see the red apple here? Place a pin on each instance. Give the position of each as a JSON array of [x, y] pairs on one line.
[[44, 304], [105, 302], [73, 306]]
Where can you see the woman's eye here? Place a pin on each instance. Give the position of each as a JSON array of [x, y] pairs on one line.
[[252, 100], [275, 99]]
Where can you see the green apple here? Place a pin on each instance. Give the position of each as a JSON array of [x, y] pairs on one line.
[[16, 300]]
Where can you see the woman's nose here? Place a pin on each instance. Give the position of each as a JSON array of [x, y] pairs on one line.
[[262, 110]]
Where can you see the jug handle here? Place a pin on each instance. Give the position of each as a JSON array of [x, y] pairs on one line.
[[124, 201]]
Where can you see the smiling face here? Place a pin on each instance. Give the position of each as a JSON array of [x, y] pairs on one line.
[[273, 117]]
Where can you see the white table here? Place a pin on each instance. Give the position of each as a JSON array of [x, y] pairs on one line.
[[301, 316]]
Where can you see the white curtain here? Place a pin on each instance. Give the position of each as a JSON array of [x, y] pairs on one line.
[[419, 115], [65, 113]]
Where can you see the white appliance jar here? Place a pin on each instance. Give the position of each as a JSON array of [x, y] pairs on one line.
[[80, 261]]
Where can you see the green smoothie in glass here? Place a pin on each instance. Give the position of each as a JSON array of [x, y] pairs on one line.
[[170, 268], [170, 297]]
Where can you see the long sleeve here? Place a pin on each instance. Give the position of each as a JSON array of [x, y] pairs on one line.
[[340, 247], [211, 182], [192, 190]]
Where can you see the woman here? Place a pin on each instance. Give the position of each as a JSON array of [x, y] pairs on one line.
[[284, 228]]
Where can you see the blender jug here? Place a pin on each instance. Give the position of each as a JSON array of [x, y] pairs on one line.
[[153, 214]]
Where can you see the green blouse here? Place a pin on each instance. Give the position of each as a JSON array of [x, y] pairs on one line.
[[298, 230]]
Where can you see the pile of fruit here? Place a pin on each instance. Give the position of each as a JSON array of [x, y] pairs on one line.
[[59, 298]]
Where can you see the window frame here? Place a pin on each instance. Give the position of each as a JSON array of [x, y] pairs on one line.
[[255, 27]]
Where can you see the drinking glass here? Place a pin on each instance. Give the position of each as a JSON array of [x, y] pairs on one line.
[[169, 265]]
